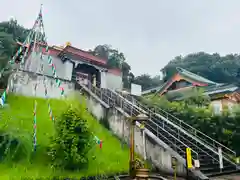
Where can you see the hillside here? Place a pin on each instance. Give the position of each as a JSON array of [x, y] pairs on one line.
[[17, 119]]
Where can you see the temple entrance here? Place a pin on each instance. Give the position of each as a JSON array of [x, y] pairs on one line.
[[86, 73]]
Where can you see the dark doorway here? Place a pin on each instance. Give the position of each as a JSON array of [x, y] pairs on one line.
[[88, 72]]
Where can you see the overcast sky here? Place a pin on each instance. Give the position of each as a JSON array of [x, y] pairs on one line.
[[149, 32]]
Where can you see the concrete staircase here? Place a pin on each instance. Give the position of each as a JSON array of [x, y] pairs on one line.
[[176, 134]]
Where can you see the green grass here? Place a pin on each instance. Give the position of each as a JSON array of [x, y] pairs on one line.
[[18, 119]]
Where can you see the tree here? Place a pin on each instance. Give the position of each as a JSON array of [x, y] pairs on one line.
[[72, 140], [101, 51], [10, 32], [225, 128], [147, 82], [115, 59]]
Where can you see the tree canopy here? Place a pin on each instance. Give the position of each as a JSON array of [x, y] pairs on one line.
[[116, 59], [147, 81], [221, 69], [10, 33]]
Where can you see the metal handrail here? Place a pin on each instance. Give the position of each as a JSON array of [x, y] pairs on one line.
[[176, 138], [95, 90], [152, 129], [165, 131], [125, 104], [117, 96], [187, 129], [229, 159]]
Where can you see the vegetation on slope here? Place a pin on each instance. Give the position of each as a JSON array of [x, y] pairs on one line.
[[17, 120], [224, 128]]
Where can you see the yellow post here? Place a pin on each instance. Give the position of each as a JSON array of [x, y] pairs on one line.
[[189, 158]]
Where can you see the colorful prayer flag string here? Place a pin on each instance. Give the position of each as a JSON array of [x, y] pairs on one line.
[[48, 102], [98, 141], [45, 89], [50, 61], [3, 97], [28, 40], [35, 126], [53, 67], [12, 61]]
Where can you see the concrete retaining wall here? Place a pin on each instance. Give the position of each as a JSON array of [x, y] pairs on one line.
[[23, 83], [146, 144]]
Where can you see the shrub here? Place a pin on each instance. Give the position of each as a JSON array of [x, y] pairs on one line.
[[72, 140], [225, 128], [14, 145]]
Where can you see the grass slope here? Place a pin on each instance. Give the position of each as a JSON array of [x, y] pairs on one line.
[[18, 118]]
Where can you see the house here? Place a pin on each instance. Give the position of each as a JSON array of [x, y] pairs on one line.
[[73, 64], [183, 84]]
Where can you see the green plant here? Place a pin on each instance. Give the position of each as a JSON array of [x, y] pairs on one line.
[[15, 144], [224, 128], [72, 140], [17, 120]]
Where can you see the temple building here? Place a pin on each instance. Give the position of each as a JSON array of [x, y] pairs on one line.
[[184, 83], [74, 64]]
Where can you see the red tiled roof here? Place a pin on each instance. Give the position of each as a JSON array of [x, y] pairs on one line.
[[75, 51], [84, 55]]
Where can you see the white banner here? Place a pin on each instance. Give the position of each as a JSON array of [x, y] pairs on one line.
[[136, 89]]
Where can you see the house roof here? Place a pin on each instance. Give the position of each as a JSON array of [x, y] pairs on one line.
[[85, 55], [212, 91], [75, 51], [223, 88], [188, 76], [210, 88], [194, 77]]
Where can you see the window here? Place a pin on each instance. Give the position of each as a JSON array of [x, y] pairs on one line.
[[217, 107]]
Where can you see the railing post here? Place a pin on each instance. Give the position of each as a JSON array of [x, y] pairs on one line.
[[144, 146], [178, 134], [121, 103], [157, 131], [220, 158], [131, 109]]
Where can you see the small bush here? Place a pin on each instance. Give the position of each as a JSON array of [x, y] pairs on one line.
[[225, 128], [72, 140], [14, 146]]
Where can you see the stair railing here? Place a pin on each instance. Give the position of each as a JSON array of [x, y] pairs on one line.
[[227, 152], [156, 130], [164, 128], [119, 101]]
